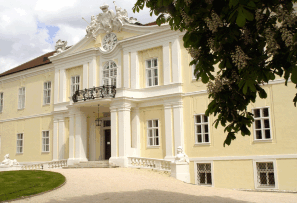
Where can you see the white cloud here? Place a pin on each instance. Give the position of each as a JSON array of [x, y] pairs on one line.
[[21, 40]]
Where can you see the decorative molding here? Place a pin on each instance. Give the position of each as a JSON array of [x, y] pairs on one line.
[[255, 157], [26, 117]]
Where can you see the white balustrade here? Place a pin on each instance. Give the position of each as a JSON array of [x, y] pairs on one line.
[[148, 163], [46, 165]]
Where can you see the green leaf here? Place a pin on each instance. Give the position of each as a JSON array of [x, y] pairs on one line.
[[240, 20], [248, 15], [233, 3], [244, 90], [251, 4], [205, 78], [229, 138]]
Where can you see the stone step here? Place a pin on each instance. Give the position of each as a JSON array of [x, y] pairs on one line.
[[73, 167], [92, 164]]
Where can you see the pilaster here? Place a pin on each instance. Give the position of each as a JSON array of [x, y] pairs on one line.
[[166, 64], [85, 75], [176, 62], [92, 72], [62, 86], [178, 125], [126, 70], [56, 86], [80, 137], [136, 130], [168, 132], [71, 136], [55, 140], [134, 71], [61, 138]]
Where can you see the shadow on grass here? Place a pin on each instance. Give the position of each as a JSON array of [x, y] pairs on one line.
[[146, 196]]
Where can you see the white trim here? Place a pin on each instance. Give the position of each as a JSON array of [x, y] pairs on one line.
[[22, 144], [212, 172], [256, 178], [21, 102], [109, 78], [261, 118], [75, 84], [194, 93], [153, 133], [26, 117], [47, 89], [152, 68], [202, 130], [256, 157], [49, 143]]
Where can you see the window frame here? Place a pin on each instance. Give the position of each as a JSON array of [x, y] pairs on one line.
[[22, 147], [75, 84], [153, 133], [1, 101], [42, 138], [45, 96], [257, 186], [202, 131], [196, 171], [23, 104], [110, 78], [152, 76], [261, 118]]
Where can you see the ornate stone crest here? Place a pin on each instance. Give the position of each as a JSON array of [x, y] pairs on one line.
[[8, 162], [60, 46], [109, 21]]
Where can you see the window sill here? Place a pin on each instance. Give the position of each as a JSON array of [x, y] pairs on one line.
[[19, 153], [21, 109], [206, 185], [267, 188], [263, 141], [153, 147], [201, 144], [45, 152]]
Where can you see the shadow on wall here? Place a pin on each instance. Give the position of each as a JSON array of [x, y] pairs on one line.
[[147, 196]]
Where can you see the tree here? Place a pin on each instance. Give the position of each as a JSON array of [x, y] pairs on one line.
[[251, 41]]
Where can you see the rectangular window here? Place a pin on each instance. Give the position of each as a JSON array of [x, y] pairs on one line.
[[204, 174], [153, 132], [21, 104], [45, 141], [20, 143], [262, 129], [201, 129], [265, 174], [47, 92], [1, 102], [152, 72], [75, 80]]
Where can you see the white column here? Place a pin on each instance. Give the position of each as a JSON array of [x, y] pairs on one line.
[[136, 131], [176, 62], [124, 130], [92, 147], [113, 120], [166, 64], [126, 70], [80, 137], [71, 138], [178, 126], [168, 132], [56, 90], [92, 73], [61, 138], [85, 75], [134, 71], [55, 140], [62, 92]]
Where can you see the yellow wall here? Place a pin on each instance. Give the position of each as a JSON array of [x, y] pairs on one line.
[[32, 136], [287, 176], [70, 73], [151, 113], [33, 96], [144, 55]]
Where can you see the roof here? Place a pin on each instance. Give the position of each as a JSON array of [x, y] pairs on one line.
[[149, 24], [39, 61]]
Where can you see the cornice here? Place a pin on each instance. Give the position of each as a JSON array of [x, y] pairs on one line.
[[27, 73], [26, 117]]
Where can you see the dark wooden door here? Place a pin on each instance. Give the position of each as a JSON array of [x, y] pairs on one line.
[[107, 144]]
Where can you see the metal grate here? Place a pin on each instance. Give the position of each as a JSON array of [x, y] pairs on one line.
[[265, 174], [204, 174]]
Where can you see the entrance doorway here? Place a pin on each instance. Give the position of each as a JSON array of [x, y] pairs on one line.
[[107, 144]]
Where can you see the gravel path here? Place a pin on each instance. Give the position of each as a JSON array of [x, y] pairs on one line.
[[139, 185]]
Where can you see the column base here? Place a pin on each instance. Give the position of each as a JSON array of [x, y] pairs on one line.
[[119, 161], [72, 161], [181, 171]]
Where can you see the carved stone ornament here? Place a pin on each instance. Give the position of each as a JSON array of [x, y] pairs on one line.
[[60, 46], [8, 162], [181, 156], [109, 21]]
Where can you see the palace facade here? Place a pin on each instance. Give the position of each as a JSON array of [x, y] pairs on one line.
[[150, 104]]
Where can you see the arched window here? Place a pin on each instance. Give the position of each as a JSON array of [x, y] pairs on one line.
[[110, 73]]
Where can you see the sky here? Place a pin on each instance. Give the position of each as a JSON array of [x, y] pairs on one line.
[[30, 28]]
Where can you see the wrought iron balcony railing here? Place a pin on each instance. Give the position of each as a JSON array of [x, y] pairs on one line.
[[95, 92]]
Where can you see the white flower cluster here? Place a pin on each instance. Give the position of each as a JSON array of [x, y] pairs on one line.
[[259, 17], [214, 23], [272, 45], [188, 2], [239, 58], [287, 37], [195, 53], [246, 36], [217, 85], [187, 19], [287, 18]]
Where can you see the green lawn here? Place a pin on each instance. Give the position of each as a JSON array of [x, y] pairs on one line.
[[15, 184]]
